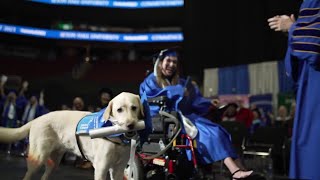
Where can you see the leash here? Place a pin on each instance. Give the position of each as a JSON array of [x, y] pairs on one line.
[[80, 149]]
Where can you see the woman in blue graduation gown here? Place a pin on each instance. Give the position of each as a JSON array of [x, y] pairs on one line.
[[303, 65], [213, 142]]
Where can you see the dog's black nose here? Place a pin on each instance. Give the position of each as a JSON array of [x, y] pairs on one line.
[[130, 126]]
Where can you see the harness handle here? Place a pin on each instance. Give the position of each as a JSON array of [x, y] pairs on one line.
[[115, 129]]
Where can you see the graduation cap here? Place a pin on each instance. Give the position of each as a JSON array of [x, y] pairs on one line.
[[11, 91]]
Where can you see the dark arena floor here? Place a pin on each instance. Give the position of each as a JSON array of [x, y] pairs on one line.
[[13, 167]]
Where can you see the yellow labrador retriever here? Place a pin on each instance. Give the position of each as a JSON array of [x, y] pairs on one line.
[[53, 134]]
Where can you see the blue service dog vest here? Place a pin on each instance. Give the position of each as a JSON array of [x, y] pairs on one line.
[[96, 120], [92, 121]]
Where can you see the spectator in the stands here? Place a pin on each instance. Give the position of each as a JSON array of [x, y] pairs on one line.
[[78, 104], [237, 112], [12, 105], [257, 120], [64, 107], [282, 117], [34, 108], [105, 95]]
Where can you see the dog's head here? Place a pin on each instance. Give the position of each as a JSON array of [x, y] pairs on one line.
[[126, 109]]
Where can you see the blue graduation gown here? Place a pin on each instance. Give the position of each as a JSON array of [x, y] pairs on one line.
[[213, 141], [303, 65], [40, 110], [20, 103]]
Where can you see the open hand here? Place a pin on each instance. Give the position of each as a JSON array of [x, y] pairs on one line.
[[281, 23], [3, 80], [25, 84], [186, 92]]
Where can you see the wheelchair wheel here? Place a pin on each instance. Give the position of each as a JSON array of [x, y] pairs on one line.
[[137, 170]]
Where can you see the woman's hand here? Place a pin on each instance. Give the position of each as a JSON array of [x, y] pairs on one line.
[[186, 92], [25, 85], [3, 80], [215, 102]]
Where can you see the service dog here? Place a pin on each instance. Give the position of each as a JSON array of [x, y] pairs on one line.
[[53, 134]]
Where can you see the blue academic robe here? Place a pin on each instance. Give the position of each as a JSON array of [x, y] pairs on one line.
[[303, 65], [40, 110], [20, 103], [213, 141]]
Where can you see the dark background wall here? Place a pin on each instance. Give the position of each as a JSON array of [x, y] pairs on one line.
[[222, 33], [234, 32]]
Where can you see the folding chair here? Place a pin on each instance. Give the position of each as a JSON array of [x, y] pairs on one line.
[[238, 132], [267, 143]]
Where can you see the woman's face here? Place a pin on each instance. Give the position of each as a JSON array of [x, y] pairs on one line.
[[33, 100], [169, 66], [78, 104], [231, 111], [255, 115], [105, 98], [12, 96], [282, 112]]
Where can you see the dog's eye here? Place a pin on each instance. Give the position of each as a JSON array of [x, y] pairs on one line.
[[133, 108], [119, 110]]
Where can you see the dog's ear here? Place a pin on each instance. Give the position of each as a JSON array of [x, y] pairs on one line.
[[141, 115], [107, 113]]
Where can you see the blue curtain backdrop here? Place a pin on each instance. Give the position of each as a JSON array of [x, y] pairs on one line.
[[236, 80], [233, 80], [246, 79]]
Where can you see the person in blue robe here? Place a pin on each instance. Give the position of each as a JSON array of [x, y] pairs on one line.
[[303, 65], [213, 141], [34, 108], [11, 108]]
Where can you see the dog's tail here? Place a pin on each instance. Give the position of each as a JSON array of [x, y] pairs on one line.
[[9, 135]]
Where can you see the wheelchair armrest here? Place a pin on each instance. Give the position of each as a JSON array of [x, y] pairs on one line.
[[160, 100]]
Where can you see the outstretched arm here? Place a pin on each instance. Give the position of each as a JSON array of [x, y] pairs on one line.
[[3, 81], [24, 88], [41, 98]]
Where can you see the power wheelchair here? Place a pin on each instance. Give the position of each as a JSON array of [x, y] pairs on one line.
[[164, 155]]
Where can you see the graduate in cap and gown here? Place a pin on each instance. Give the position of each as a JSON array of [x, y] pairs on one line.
[[34, 108], [213, 141], [12, 105], [11, 108]]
